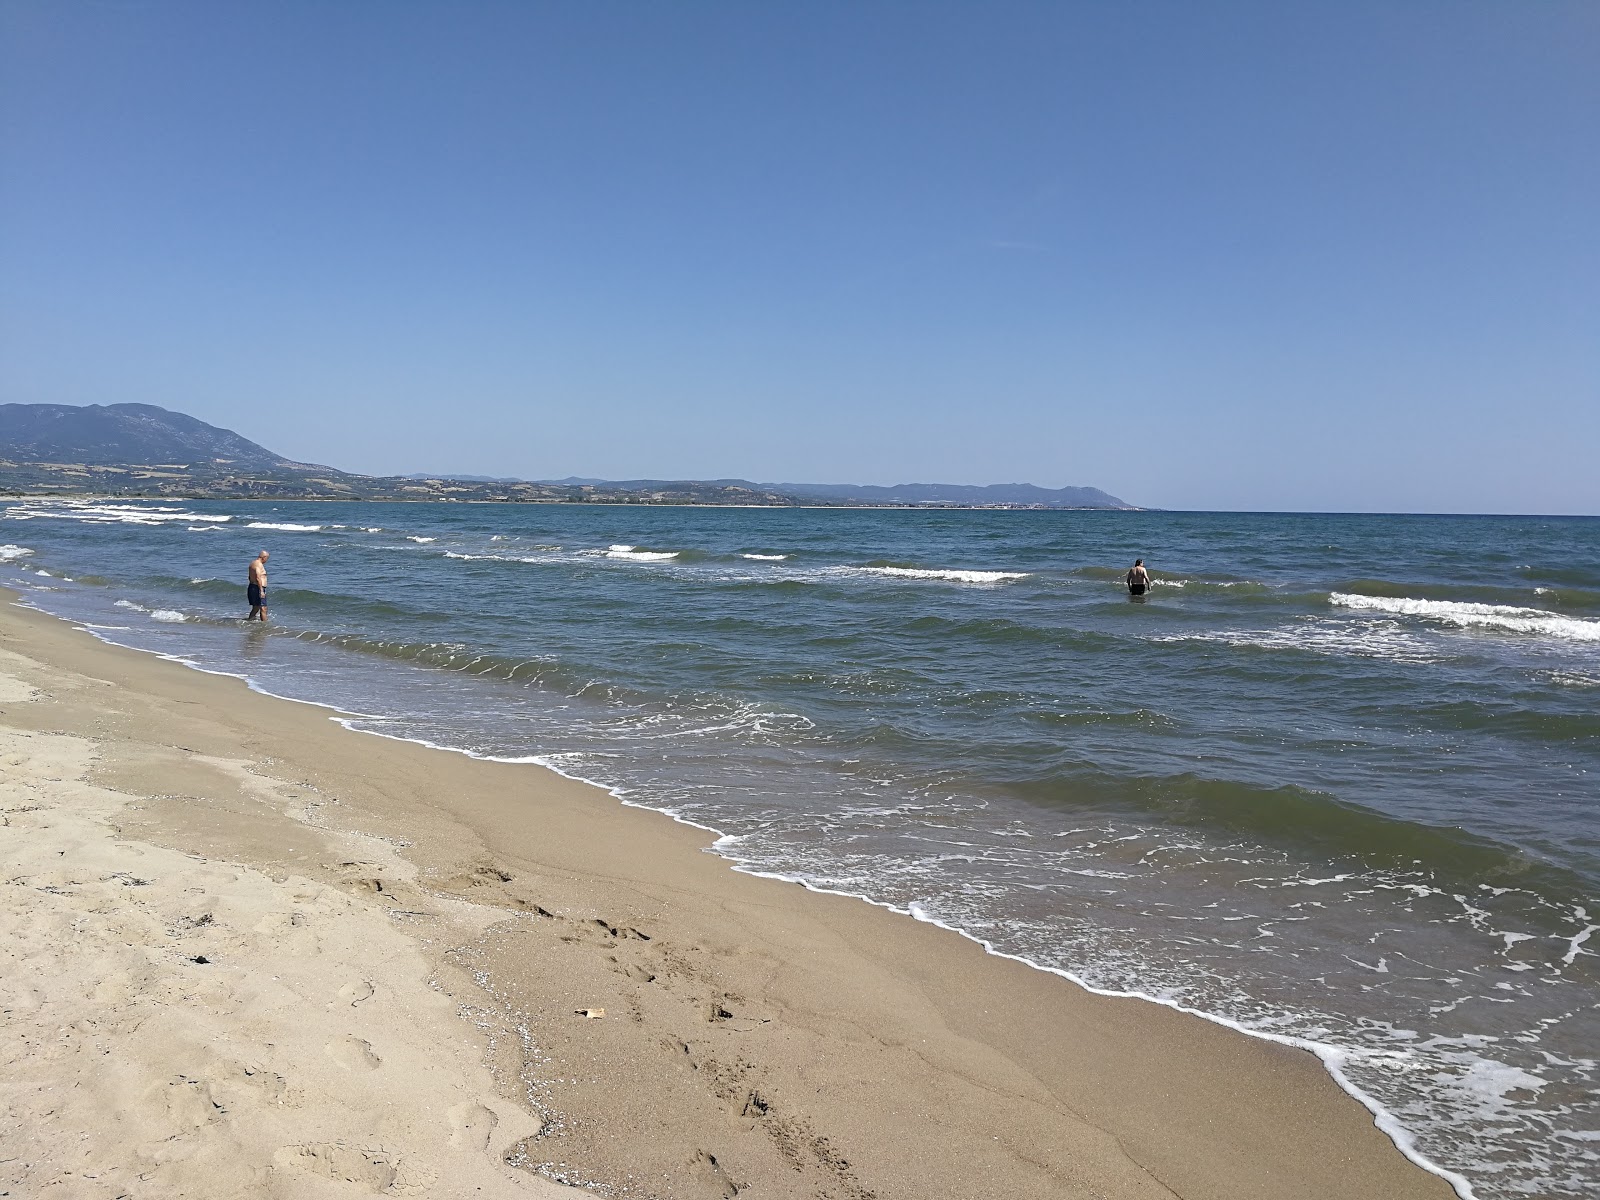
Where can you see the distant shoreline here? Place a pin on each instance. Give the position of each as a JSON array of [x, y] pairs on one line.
[[927, 507]]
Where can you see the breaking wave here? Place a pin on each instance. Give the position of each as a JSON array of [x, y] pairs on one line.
[[1376, 639], [947, 576], [634, 554], [489, 557], [109, 514], [1502, 617]]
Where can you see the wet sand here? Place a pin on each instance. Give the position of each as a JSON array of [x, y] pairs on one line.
[[248, 952]]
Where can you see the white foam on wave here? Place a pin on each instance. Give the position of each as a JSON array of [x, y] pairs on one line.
[[489, 557], [947, 576], [411, 537], [1462, 615], [206, 529], [1573, 679], [1183, 583], [168, 615], [285, 526], [766, 557], [95, 513], [132, 605], [634, 554], [1373, 639], [10, 553]]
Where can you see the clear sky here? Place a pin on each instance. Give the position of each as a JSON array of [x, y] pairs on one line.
[[1307, 255]]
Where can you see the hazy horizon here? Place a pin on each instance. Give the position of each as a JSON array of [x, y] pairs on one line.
[[1241, 257]]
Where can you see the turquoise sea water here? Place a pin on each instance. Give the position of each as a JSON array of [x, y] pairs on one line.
[[1336, 779]]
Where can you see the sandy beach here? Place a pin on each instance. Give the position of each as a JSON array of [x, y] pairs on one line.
[[248, 952]]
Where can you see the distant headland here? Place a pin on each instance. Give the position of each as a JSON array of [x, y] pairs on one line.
[[146, 450]]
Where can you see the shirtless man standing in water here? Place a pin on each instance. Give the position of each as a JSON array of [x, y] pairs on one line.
[[1138, 578], [257, 591]]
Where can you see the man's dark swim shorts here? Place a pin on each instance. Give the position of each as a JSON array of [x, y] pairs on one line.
[[256, 595], [1136, 589]]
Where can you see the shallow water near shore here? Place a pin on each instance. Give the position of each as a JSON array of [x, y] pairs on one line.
[[1333, 780]]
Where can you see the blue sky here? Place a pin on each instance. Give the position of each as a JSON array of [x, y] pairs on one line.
[[1258, 256]]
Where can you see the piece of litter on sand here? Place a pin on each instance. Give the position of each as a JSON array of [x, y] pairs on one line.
[[592, 1013]]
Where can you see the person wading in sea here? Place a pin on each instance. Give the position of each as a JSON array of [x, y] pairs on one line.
[[257, 589], [1138, 578]]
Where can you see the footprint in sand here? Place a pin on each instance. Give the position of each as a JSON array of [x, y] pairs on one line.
[[632, 970], [713, 1175], [188, 1102], [370, 1170], [19, 997], [471, 1126], [353, 1054], [355, 992], [290, 931], [279, 923]]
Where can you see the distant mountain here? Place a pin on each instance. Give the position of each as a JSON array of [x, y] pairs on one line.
[[960, 494], [108, 434], [463, 478], [143, 450], [657, 485], [955, 493]]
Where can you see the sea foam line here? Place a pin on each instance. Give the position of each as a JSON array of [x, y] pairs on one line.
[[948, 576], [1465, 615], [1333, 1058], [490, 557], [634, 554], [108, 514]]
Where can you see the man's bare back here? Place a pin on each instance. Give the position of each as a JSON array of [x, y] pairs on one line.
[[1138, 578]]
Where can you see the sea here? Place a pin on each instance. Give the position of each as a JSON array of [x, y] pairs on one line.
[[1334, 781]]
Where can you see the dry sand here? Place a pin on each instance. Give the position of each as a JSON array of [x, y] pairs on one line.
[[247, 952]]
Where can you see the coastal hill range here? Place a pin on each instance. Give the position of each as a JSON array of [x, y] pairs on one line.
[[145, 450]]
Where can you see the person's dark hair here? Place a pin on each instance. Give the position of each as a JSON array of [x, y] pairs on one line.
[[1138, 562]]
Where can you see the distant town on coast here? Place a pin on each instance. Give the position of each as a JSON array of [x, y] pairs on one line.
[[146, 450]]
